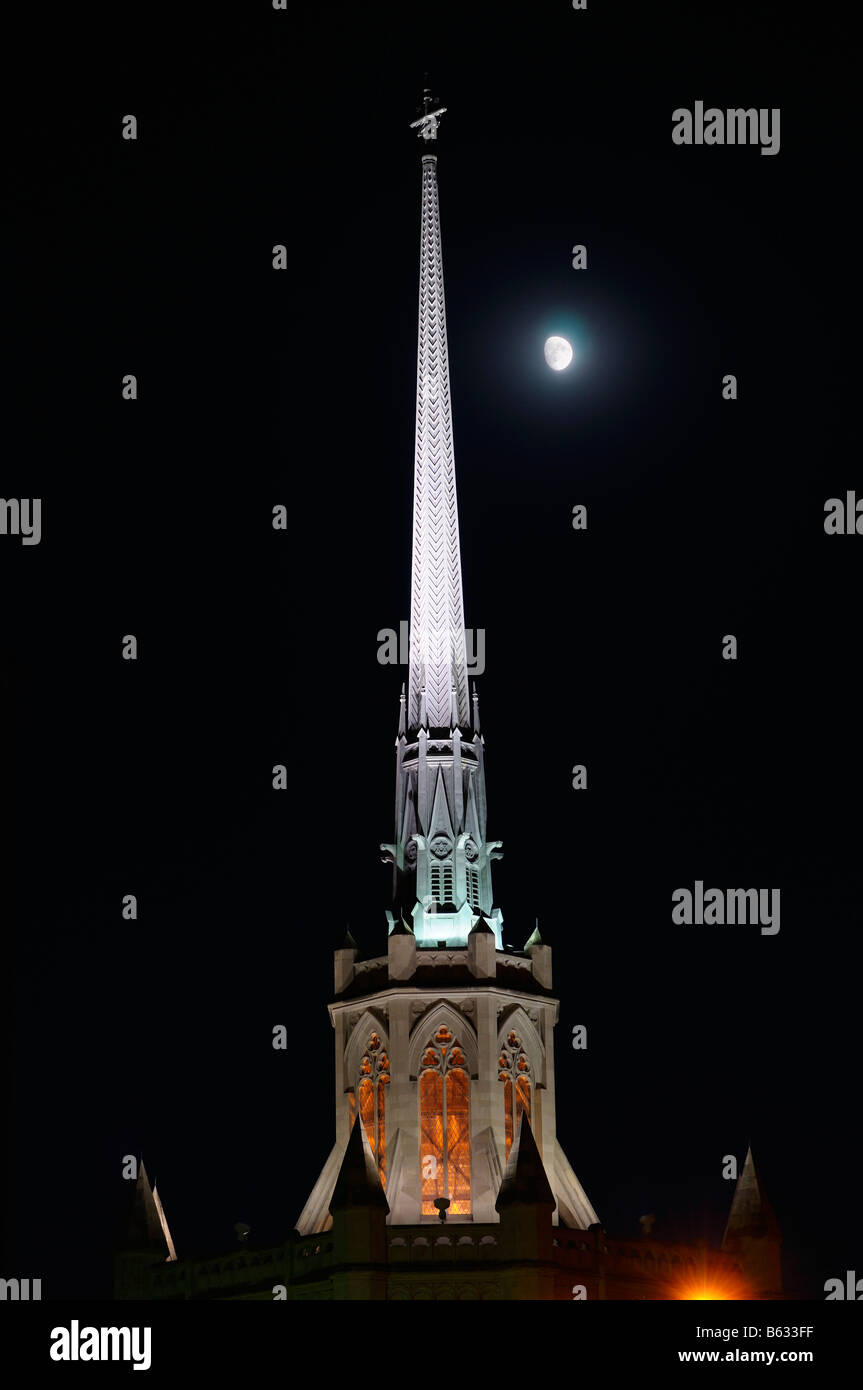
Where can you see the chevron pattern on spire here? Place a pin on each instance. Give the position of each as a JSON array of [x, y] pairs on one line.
[[438, 659]]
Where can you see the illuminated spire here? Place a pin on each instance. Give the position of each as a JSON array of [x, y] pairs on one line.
[[440, 854], [438, 657], [422, 1034]]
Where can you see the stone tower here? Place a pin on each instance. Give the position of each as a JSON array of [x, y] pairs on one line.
[[445, 1041]]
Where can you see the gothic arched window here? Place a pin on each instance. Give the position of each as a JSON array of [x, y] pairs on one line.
[[372, 1088], [515, 1075], [444, 1088]]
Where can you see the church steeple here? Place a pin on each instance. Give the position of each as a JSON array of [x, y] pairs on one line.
[[438, 660], [440, 855], [444, 1051]]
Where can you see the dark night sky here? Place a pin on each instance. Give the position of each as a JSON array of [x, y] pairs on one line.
[[259, 647]]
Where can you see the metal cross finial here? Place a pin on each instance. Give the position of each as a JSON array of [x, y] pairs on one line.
[[428, 121]]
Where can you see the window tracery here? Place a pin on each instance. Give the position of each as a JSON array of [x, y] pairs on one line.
[[515, 1074], [371, 1088], [444, 1098]]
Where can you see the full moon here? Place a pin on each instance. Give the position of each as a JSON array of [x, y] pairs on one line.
[[558, 353]]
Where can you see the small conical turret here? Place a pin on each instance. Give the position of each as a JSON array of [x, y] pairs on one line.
[[358, 1184], [526, 1205], [359, 1210], [146, 1228], [525, 1181], [534, 939], [751, 1214], [143, 1241], [753, 1232]]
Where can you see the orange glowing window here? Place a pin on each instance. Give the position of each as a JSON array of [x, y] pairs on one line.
[[515, 1075], [457, 1121], [373, 1081], [367, 1109], [444, 1099], [431, 1139], [382, 1132], [507, 1112]]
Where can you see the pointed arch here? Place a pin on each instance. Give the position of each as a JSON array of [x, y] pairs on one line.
[[515, 1018], [371, 1021], [521, 1060], [427, 1025], [444, 1086], [368, 1079], [441, 819]]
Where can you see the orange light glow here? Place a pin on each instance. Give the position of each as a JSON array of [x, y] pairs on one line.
[[715, 1287]]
